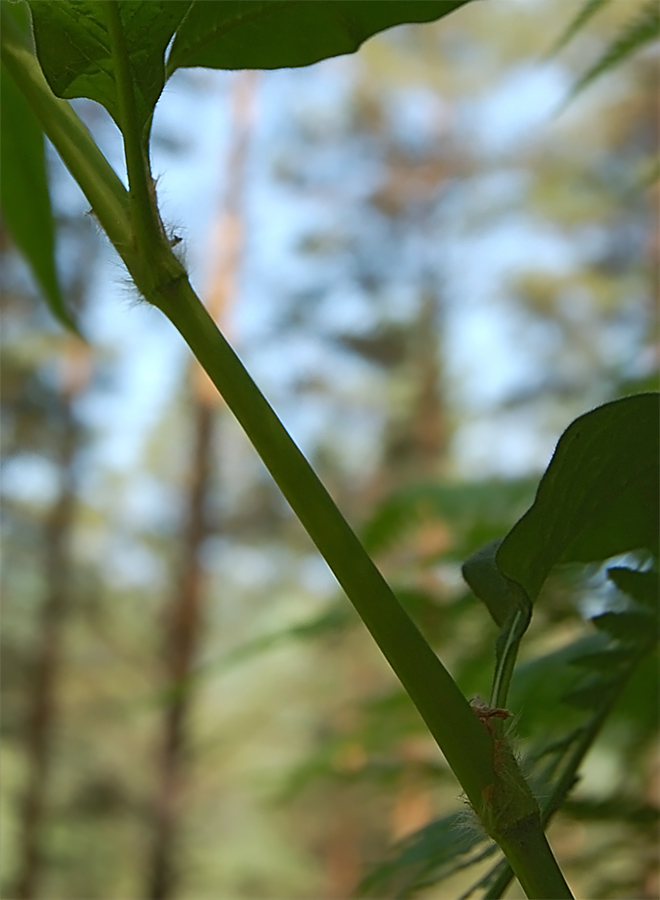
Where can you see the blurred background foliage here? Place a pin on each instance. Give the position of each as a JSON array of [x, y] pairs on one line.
[[431, 265]]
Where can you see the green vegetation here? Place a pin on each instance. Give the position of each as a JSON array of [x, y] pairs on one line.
[[596, 501]]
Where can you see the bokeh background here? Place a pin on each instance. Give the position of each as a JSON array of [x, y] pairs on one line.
[[431, 263]]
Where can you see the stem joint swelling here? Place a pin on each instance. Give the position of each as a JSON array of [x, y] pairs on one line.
[[507, 802], [510, 815], [168, 290], [159, 285]]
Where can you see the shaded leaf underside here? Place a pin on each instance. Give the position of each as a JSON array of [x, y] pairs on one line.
[[598, 497], [75, 53], [272, 34]]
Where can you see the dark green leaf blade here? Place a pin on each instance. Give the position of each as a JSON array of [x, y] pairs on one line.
[[272, 34], [74, 49], [629, 625], [426, 857], [641, 586], [598, 497], [24, 195], [488, 584]]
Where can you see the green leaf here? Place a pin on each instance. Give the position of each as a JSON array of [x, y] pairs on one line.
[[607, 660], [475, 512], [598, 497], [641, 586], [630, 625], [539, 683], [617, 808], [24, 195], [642, 31], [488, 584], [592, 692], [426, 857], [75, 52], [74, 48], [583, 15], [271, 34]]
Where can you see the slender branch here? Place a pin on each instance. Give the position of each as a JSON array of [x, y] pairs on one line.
[[487, 770], [569, 768], [500, 797], [529, 855], [435, 694], [96, 178], [508, 645], [148, 229]]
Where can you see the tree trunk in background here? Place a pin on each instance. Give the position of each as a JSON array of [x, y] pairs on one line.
[[42, 713], [416, 442], [185, 615], [342, 852], [182, 637], [429, 425]]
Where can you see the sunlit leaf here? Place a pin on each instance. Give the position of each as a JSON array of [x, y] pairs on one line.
[[641, 32], [583, 15], [74, 50]]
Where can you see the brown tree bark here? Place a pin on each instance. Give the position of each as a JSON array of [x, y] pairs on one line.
[[42, 712], [181, 644], [185, 616], [429, 425]]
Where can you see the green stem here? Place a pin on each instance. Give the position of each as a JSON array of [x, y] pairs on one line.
[[148, 229], [498, 798], [98, 181], [569, 767], [529, 855], [508, 645], [511, 817], [435, 694]]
